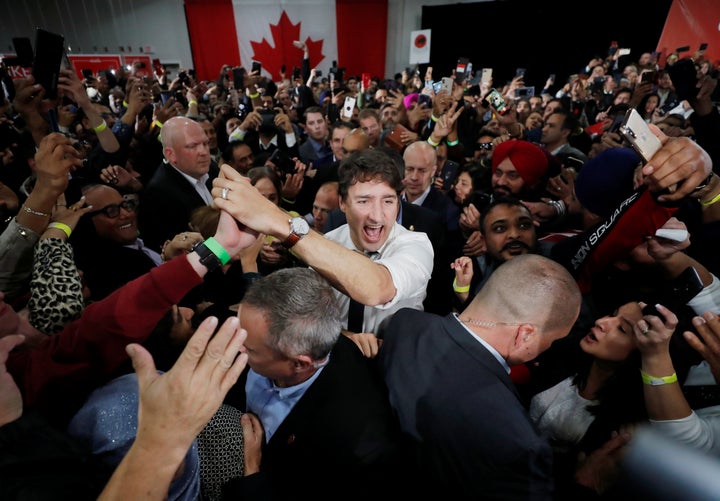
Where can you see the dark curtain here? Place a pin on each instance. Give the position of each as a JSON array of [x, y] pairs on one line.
[[544, 37]]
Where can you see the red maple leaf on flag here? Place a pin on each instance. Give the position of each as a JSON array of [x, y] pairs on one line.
[[284, 52]]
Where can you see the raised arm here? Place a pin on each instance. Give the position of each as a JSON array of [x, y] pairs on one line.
[[71, 85], [348, 271], [54, 159], [664, 398]]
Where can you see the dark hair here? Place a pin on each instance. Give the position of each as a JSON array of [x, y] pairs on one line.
[[369, 112], [339, 124], [264, 172], [623, 90], [569, 122], [227, 154], [314, 109], [505, 200], [366, 165], [562, 103], [479, 176]]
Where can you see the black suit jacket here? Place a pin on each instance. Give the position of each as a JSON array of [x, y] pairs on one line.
[[449, 213], [252, 139], [308, 154], [472, 436], [166, 204], [340, 433], [118, 266], [438, 202]]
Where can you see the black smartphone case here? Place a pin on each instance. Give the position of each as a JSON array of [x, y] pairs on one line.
[[49, 49]]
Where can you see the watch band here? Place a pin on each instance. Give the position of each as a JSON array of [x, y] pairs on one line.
[[298, 229], [704, 184], [291, 240], [207, 257]]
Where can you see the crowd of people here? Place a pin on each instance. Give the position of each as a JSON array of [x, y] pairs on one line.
[[347, 287]]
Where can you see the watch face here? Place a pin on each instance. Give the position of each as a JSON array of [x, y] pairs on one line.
[[299, 226]]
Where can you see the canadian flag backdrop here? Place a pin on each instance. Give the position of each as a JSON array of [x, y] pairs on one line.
[[237, 32], [692, 22]]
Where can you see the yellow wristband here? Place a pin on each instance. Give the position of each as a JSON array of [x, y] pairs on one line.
[[125, 104], [62, 227], [714, 200], [432, 143], [461, 290], [157, 123], [255, 96], [101, 127], [434, 118], [658, 381], [191, 102]]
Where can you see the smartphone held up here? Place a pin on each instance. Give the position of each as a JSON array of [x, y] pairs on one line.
[[636, 132], [49, 54], [495, 99]]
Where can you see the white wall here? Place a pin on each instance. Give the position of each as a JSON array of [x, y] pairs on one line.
[[161, 24], [90, 24]]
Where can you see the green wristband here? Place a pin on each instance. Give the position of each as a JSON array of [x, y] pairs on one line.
[[218, 250]]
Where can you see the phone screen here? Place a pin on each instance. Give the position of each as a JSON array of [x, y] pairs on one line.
[[616, 123], [49, 50], [164, 96], [158, 67], [348, 107], [238, 78], [366, 80], [524, 92], [496, 99], [256, 67], [447, 84], [461, 68], [648, 76], [282, 161], [23, 51], [636, 131], [683, 288]]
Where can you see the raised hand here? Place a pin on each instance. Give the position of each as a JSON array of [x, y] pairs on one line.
[[708, 326], [680, 161]]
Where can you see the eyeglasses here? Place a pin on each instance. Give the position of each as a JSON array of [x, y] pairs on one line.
[[113, 211], [484, 146]]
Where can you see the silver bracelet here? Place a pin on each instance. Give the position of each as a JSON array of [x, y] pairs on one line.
[[559, 206], [35, 212]]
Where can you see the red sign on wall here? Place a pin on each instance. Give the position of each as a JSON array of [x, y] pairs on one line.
[[14, 70], [146, 71], [94, 62]]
